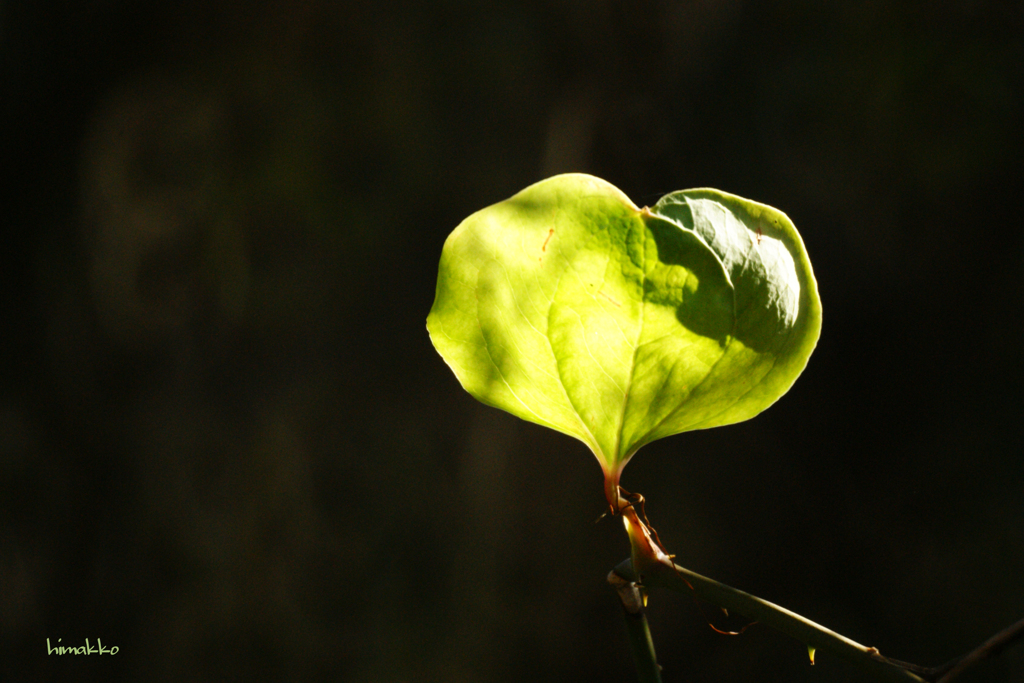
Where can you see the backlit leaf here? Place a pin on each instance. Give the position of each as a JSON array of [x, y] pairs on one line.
[[568, 306]]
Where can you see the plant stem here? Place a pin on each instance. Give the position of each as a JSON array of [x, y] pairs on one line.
[[989, 648], [647, 669], [640, 642], [813, 635]]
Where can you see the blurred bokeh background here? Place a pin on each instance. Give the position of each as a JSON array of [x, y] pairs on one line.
[[228, 448]]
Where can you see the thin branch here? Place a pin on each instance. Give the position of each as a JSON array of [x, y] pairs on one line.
[[771, 615], [650, 565], [989, 648], [640, 642]]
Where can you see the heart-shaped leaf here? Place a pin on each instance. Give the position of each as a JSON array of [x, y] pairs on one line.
[[568, 306]]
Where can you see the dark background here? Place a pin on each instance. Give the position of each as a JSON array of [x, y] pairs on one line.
[[228, 448]]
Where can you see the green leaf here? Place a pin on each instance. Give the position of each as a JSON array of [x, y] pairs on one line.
[[568, 306]]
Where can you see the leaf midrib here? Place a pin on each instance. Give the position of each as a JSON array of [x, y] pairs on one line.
[[636, 344]]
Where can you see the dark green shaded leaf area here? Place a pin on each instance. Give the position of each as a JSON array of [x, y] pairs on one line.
[[568, 306]]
